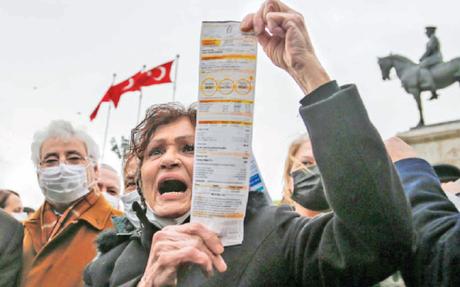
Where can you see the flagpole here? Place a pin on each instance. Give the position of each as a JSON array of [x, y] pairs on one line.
[[139, 107], [107, 123], [140, 99], [176, 66]]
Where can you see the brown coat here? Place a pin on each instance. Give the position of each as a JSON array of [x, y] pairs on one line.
[[61, 261]]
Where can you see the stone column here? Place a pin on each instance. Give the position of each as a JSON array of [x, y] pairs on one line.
[[437, 143]]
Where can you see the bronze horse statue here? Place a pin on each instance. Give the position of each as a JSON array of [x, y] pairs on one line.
[[413, 78]]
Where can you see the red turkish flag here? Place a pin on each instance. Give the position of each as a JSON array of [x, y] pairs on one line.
[[159, 75]]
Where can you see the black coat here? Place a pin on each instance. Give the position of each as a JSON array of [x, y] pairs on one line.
[[436, 261], [11, 234], [364, 241]]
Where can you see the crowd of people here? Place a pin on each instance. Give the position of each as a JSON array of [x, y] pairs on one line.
[[356, 211]]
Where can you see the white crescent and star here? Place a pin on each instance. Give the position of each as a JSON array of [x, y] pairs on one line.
[[130, 84], [149, 73], [162, 74]]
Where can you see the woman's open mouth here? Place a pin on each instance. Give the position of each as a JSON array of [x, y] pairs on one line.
[[172, 185]]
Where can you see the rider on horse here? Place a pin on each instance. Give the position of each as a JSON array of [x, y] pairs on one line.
[[430, 58]]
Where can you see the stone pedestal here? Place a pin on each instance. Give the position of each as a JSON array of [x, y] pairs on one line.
[[437, 143]]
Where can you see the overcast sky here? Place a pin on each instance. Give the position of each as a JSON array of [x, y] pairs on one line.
[[57, 59]]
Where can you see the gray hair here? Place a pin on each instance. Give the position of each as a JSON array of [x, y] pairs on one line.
[[108, 167], [63, 130]]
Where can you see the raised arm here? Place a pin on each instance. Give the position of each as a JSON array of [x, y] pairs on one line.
[[369, 233]]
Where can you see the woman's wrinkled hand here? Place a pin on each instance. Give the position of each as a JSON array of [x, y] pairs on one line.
[[176, 245], [282, 34]]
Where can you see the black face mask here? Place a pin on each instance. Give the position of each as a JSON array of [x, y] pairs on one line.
[[309, 190]]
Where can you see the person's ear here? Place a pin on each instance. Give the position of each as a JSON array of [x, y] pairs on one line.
[[96, 170]]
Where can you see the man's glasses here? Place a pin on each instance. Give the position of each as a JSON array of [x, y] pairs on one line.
[[54, 161]]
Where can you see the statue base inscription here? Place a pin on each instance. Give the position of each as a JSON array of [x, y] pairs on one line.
[[436, 143]]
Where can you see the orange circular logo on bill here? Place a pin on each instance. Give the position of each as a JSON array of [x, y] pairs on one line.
[[208, 86]]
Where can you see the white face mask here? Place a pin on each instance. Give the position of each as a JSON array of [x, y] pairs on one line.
[[63, 184], [113, 200], [128, 199], [161, 222], [19, 216]]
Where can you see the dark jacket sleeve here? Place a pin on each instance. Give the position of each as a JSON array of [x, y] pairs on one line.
[[122, 265], [369, 233], [437, 223], [99, 271], [11, 235]]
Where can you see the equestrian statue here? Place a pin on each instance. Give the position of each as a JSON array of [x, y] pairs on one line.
[[431, 74]]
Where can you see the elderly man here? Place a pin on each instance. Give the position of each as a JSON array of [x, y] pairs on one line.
[[129, 222], [358, 244], [59, 237], [109, 184]]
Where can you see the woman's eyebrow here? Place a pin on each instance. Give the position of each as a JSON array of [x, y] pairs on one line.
[[156, 141], [184, 138]]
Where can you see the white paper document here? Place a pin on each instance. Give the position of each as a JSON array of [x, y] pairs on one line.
[[224, 129]]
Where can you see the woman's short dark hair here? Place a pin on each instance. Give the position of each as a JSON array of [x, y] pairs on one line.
[[4, 195], [156, 116]]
